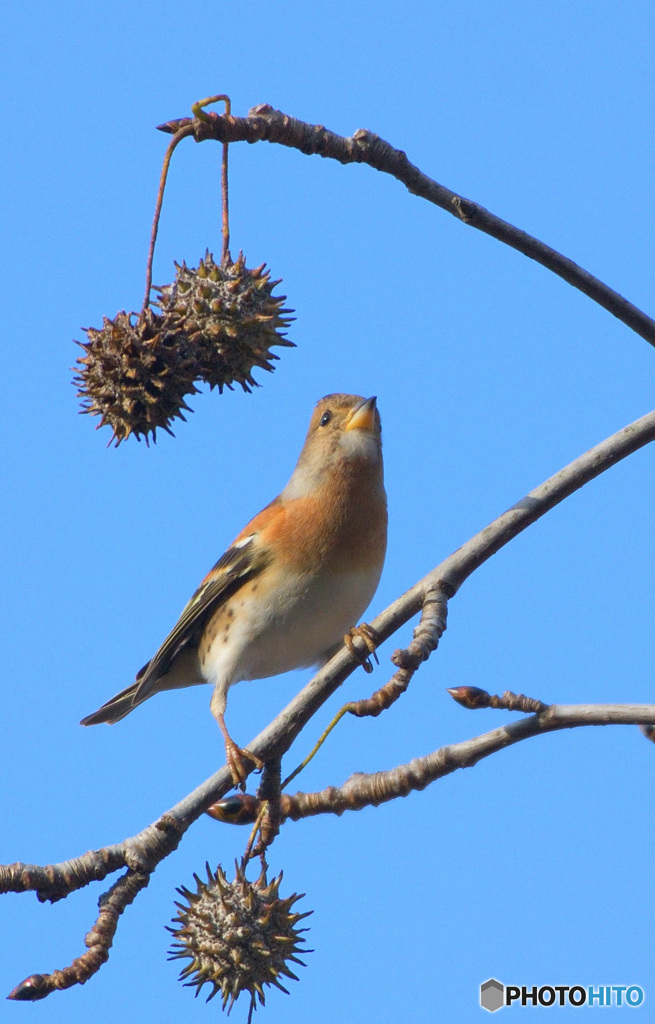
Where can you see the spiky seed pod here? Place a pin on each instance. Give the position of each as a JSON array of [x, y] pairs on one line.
[[239, 936], [230, 316], [134, 374]]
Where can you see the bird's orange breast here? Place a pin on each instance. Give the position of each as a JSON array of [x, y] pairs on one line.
[[331, 530]]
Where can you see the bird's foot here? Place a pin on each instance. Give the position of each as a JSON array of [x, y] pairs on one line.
[[236, 762], [371, 639]]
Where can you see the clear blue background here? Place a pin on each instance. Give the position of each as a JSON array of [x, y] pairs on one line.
[[536, 866]]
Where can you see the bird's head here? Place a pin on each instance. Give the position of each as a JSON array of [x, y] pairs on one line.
[[344, 430]]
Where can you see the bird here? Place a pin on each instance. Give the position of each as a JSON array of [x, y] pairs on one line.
[[287, 592]]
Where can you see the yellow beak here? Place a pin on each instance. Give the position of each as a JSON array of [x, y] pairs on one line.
[[362, 417]]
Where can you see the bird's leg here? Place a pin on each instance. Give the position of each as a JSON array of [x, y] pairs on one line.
[[237, 756], [370, 638]]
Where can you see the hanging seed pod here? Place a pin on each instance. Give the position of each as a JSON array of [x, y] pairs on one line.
[[239, 936], [230, 317], [134, 374]]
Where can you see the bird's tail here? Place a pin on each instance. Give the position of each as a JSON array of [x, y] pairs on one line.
[[184, 671], [115, 709]]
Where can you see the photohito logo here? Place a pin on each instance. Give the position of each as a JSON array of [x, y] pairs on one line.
[[494, 995]]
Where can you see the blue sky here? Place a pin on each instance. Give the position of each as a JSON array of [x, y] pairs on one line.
[[491, 374]]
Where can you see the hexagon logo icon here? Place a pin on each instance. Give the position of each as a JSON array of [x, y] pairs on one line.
[[492, 995]]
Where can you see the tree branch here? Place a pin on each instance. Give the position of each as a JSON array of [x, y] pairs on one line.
[[98, 941], [371, 790], [264, 123], [143, 852]]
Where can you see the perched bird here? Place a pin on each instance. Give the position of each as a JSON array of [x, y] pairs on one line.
[[288, 590]]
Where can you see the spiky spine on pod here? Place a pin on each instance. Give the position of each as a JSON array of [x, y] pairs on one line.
[[239, 936], [230, 315], [134, 374]]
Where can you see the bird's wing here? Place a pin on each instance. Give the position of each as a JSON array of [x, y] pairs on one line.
[[241, 562]]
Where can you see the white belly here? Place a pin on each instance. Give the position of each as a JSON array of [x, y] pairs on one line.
[[294, 630]]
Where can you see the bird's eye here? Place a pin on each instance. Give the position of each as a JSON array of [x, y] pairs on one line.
[[325, 419]]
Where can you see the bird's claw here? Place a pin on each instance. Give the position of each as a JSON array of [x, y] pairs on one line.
[[371, 639], [236, 762]]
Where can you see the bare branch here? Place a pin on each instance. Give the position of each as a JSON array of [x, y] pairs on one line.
[[264, 123], [149, 847], [426, 639], [452, 572], [112, 904], [142, 853], [56, 881], [362, 790]]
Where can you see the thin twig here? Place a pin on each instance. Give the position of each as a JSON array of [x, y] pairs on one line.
[[182, 134], [370, 790], [99, 940], [425, 640], [362, 790], [201, 114], [225, 206], [426, 637], [264, 123]]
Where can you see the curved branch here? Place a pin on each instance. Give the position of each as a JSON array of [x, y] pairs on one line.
[[146, 849], [264, 123], [98, 942], [447, 577], [362, 790], [143, 852], [371, 790]]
